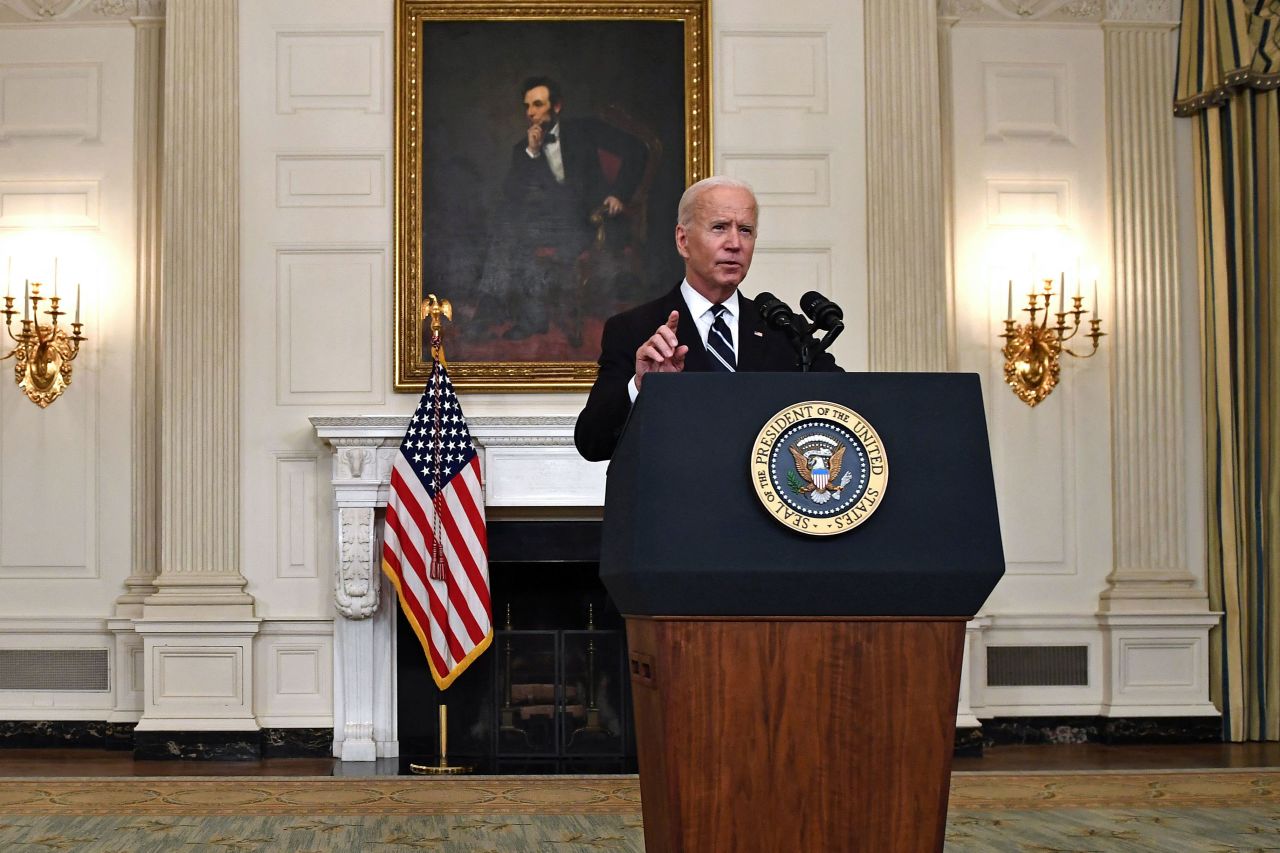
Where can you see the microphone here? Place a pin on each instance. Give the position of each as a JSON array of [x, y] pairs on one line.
[[779, 315], [824, 313]]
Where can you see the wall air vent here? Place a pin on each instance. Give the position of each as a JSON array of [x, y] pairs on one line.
[[1037, 666], [65, 670]]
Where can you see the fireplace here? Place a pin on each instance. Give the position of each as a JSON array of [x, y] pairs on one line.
[[551, 695], [563, 703]]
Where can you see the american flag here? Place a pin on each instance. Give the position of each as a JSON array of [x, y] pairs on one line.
[[435, 549]]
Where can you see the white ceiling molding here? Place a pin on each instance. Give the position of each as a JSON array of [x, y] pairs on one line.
[[79, 11], [1022, 10]]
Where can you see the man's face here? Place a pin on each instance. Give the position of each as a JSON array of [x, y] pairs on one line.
[[538, 108], [718, 243]]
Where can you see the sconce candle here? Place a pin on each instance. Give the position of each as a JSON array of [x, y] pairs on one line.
[[1008, 311], [42, 352], [1032, 350]]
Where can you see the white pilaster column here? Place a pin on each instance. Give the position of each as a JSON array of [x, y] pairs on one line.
[[1156, 616], [148, 92], [199, 624], [906, 244]]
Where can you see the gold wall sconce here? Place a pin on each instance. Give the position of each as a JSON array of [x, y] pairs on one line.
[[1032, 350], [42, 351]]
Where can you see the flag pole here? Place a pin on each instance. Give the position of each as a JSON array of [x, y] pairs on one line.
[[444, 768], [433, 309]]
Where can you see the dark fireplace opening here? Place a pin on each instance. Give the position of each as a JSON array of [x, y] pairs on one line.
[[552, 693]]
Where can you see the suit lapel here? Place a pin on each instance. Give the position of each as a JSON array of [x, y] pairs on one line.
[[750, 335], [697, 359]]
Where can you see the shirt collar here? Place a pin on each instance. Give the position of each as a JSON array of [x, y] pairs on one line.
[[699, 304]]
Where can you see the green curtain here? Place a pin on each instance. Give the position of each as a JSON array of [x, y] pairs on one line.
[[1228, 73]]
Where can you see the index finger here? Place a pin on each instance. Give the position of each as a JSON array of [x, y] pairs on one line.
[[673, 322]]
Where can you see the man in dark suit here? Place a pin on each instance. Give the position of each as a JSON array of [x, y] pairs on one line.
[[705, 324], [562, 173]]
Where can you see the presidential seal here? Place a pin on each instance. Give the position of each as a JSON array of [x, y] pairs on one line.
[[819, 468]]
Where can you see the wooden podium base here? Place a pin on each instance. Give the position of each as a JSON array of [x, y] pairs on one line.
[[808, 734]]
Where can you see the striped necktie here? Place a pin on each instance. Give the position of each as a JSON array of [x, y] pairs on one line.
[[720, 342]]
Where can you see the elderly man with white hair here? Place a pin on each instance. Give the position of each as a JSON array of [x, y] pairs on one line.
[[705, 324]]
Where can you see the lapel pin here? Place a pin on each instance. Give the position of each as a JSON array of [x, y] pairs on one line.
[[759, 334]]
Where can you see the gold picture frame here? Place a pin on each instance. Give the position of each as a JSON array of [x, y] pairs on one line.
[[639, 66]]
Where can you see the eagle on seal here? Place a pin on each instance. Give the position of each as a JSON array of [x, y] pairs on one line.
[[822, 480]]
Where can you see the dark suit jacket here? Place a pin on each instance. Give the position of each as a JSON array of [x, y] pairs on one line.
[[584, 142], [760, 349]]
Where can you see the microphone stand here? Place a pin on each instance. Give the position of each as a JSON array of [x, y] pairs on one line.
[[779, 315]]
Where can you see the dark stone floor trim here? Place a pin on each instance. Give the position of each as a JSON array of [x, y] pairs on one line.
[[197, 746], [1108, 730], [98, 734], [297, 743]]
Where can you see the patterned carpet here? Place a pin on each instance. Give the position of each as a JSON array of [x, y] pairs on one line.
[[1216, 812]]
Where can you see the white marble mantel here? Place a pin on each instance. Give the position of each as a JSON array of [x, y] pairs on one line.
[[525, 462]]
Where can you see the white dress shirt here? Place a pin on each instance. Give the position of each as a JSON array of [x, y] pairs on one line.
[[700, 308], [551, 150]]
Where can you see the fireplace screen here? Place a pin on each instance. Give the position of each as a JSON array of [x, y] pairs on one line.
[[550, 695]]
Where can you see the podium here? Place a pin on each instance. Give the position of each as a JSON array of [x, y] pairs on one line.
[[797, 692]]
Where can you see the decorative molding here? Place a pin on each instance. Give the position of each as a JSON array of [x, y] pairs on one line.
[[322, 293], [317, 71], [45, 10], [790, 179], [1030, 11], [295, 515], [81, 12], [49, 204], [1026, 114], [1165, 12], [338, 179], [64, 101], [790, 270], [1028, 202], [773, 69], [356, 590]]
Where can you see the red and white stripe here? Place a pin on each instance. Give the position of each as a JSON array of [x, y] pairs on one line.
[[452, 617]]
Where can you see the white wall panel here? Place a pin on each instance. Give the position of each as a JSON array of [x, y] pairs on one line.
[[66, 192], [46, 485], [329, 302], [49, 204], [1026, 100], [783, 180], [773, 70], [789, 87], [1030, 202], [296, 497], [196, 673], [790, 271], [330, 180], [330, 71], [49, 100], [293, 674], [316, 250]]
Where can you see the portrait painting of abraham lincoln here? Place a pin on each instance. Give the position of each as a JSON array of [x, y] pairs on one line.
[[552, 156]]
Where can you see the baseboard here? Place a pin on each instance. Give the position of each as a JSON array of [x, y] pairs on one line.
[[200, 746], [968, 743], [1002, 731]]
